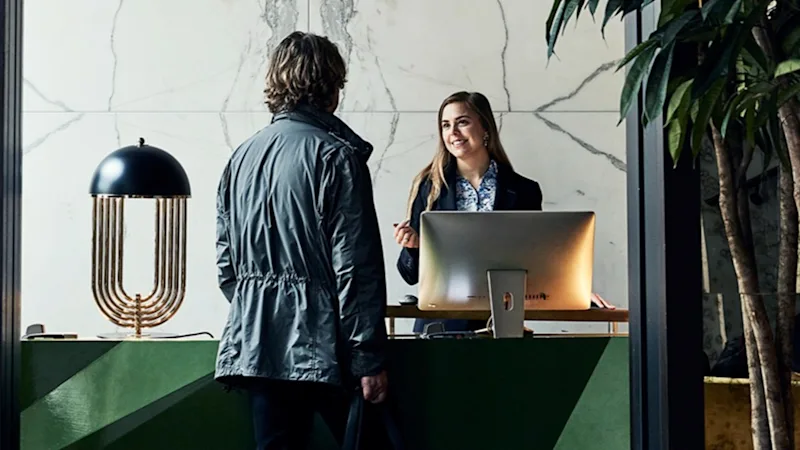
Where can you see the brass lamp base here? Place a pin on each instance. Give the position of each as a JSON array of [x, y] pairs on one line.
[[133, 336]]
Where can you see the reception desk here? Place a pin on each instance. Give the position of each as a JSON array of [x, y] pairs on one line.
[[568, 392]]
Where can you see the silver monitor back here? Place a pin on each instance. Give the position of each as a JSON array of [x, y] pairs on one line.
[[457, 249]]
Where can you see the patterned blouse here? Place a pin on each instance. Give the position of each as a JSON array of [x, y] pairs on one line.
[[482, 199]]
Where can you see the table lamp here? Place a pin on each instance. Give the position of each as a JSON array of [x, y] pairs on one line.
[[139, 171]]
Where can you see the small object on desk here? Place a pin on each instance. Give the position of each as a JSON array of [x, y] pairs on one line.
[[37, 331], [409, 299], [450, 335], [29, 337]]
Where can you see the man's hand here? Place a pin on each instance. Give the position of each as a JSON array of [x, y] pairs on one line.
[[374, 387]]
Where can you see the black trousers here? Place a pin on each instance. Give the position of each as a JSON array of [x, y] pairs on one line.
[[283, 412]]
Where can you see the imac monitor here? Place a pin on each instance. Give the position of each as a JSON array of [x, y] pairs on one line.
[[545, 257]]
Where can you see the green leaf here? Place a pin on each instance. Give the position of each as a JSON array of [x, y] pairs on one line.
[[670, 30], [676, 136], [749, 123], [613, 7], [656, 88], [791, 42], [730, 113], [754, 55], [788, 66], [634, 5], [760, 88], [748, 102], [707, 102], [569, 10], [633, 81], [785, 95], [775, 134], [701, 35], [677, 118], [671, 9], [721, 11], [552, 25], [718, 63], [593, 6], [679, 100], [581, 6], [694, 110], [635, 52], [764, 112], [732, 12]]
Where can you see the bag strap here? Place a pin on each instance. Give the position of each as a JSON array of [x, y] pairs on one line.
[[355, 420], [352, 432]]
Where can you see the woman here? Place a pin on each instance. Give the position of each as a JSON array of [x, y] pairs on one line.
[[469, 172]]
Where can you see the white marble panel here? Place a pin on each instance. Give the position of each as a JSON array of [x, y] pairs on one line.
[[152, 55], [409, 55]]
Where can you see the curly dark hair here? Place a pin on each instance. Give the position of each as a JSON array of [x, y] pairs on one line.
[[304, 68]]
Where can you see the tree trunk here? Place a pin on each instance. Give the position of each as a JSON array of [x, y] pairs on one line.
[[791, 127], [787, 286], [747, 280], [788, 114], [742, 156]]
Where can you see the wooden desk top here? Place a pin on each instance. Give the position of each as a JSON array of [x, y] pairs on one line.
[[592, 315]]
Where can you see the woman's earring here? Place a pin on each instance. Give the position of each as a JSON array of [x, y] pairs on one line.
[[486, 140]]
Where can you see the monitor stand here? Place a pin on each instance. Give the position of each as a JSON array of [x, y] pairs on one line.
[[507, 300]]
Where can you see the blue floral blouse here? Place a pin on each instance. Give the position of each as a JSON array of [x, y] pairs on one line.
[[482, 199]]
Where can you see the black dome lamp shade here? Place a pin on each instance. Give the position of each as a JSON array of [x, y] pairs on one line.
[[140, 171], [144, 172]]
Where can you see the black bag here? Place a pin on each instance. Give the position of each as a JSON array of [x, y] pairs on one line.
[[354, 436]]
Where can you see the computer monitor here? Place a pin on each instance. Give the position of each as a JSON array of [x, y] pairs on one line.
[[490, 260]]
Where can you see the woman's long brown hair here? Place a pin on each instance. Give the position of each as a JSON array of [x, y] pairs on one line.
[[434, 171]]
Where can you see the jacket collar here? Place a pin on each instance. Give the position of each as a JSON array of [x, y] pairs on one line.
[[328, 122], [504, 200]]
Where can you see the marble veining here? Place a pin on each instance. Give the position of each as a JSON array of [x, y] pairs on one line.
[[245, 54], [336, 15], [42, 139], [114, 60], [57, 103], [280, 17], [503, 54], [29, 147], [392, 132], [583, 84], [616, 162]]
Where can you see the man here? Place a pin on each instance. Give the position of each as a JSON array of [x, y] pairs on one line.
[[299, 255]]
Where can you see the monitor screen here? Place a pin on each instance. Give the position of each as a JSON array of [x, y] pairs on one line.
[[458, 249]]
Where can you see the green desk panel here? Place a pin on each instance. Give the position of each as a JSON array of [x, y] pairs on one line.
[[546, 393]]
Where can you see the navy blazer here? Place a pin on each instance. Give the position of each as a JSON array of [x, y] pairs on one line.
[[514, 193]]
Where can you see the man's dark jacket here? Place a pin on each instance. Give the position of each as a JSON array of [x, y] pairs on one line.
[[299, 255]]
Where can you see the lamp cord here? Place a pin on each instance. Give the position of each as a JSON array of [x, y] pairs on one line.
[[181, 336]]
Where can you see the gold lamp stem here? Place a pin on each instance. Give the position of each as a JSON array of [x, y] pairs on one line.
[[169, 278], [137, 316]]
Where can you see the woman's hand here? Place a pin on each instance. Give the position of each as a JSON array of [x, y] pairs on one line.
[[601, 302], [405, 235]]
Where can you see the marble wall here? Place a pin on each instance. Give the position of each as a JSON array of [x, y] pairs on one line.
[[187, 75]]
